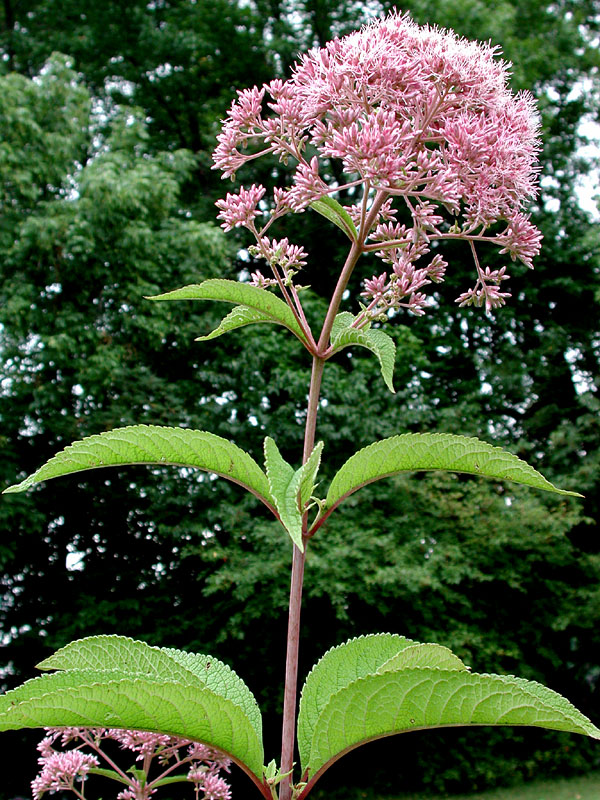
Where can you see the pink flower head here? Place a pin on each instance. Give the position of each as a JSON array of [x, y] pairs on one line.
[[521, 239], [417, 117], [61, 770], [215, 788], [240, 209]]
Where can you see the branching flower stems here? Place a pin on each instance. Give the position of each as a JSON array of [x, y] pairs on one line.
[[433, 145], [177, 761]]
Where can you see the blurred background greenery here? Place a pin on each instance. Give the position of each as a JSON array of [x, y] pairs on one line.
[[108, 116]]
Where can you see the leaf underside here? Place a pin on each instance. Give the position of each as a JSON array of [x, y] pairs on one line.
[[112, 681], [375, 340], [370, 699], [123, 653], [432, 451], [264, 305], [153, 444], [238, 318]]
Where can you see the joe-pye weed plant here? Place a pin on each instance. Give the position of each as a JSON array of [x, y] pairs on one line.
[[432, 146]]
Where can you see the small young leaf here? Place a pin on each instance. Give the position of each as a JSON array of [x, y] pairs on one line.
[[152, 444], [271, 307], [378, 342], [291, 489], [410, 699], [432, 451], [284, 483], [130, 656], [309, 473], [339, 667], [336, 213]]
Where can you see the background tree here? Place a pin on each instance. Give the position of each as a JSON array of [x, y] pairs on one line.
[[108, 196]]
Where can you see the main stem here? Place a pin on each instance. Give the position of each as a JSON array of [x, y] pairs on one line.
[[293, 640], [298, 558]]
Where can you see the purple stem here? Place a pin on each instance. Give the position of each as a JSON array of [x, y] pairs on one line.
[[298, 558]]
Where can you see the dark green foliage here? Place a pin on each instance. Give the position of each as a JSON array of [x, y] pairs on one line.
[[107, 195]]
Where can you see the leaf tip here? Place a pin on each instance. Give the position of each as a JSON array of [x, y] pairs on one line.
[[16, 487]]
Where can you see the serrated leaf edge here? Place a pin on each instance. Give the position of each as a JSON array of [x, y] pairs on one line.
[[100, 438], [451, 439], [47, 664]]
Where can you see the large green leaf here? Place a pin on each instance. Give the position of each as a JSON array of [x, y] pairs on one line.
[[336, 213], [432, 451], [336, 669], [152, 444], [128, 655], [378, 342], [153, 692], [412, 699], [390, 696], [261, 305]]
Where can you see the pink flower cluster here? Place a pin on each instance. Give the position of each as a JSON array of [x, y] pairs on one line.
[[67, 770], [424, 125], [61, 771]]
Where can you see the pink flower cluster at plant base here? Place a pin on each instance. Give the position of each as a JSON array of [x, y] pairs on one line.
[[426, 129], [158, 755]]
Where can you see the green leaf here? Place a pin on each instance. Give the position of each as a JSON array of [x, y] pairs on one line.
[[238, 318], [309, 473], [108, 773], [152, 692], [270, 307], [291, 489], [336, 213], [152, 444], [409, 699], [284, 483], [378, 342], [432, 451], [128, 655], [339, 667]]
